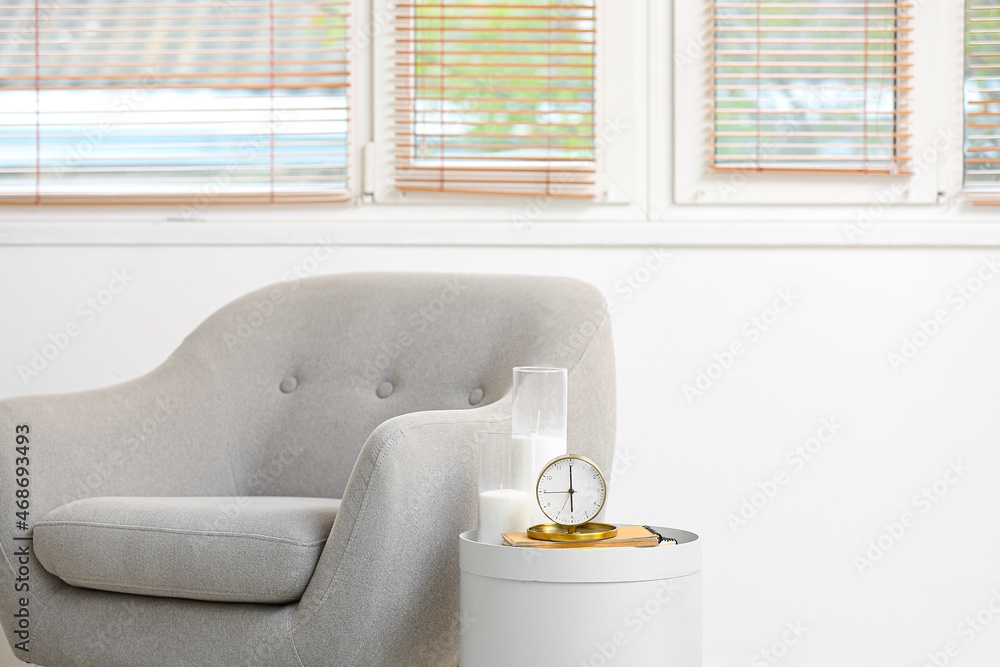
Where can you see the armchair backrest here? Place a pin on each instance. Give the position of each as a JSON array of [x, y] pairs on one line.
[[306, 370]]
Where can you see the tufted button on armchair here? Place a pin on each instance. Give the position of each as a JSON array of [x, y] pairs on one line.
[[288, 487]]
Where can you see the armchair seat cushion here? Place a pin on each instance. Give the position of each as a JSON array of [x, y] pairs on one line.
[[239, 549]]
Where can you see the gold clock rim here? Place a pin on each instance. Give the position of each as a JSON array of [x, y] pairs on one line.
[[557, 532], [578, 457]]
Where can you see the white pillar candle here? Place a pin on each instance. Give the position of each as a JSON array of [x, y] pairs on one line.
[[547, 447], [503, 511], [524, 473], [531, 452]]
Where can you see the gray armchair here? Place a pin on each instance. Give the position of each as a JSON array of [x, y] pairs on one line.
[[184, 517]]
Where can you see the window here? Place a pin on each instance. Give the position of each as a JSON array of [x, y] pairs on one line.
[[495, 98], [191, 102], [982, 102], [804, 102], [811, 86]]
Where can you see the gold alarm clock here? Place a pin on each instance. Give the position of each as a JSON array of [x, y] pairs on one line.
[[571, 491]]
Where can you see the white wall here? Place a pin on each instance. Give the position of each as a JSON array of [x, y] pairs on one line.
[[689, 464]]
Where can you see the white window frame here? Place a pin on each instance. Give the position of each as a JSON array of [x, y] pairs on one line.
[[698, 184]]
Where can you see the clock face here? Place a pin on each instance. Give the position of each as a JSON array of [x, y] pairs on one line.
[[571, 490]]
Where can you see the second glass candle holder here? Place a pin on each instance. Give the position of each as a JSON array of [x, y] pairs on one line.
[[503, 506]]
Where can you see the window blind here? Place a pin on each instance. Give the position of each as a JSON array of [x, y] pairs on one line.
[[495, 97], [982, 101], [811, 86], [193, 101]]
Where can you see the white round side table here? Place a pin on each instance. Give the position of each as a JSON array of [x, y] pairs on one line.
[[615, 607]]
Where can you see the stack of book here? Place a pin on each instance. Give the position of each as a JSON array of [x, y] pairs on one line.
[[628, 536]]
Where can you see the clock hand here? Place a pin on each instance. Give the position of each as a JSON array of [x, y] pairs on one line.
[[564, 503], [571, 487]]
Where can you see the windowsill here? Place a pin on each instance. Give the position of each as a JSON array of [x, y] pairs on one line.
[[770, 227]]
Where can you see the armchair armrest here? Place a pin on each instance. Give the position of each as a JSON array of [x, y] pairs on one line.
[[386, 589], [391, 562]]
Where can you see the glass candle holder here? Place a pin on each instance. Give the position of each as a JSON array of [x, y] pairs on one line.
[[539, 410], [502, 507]]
